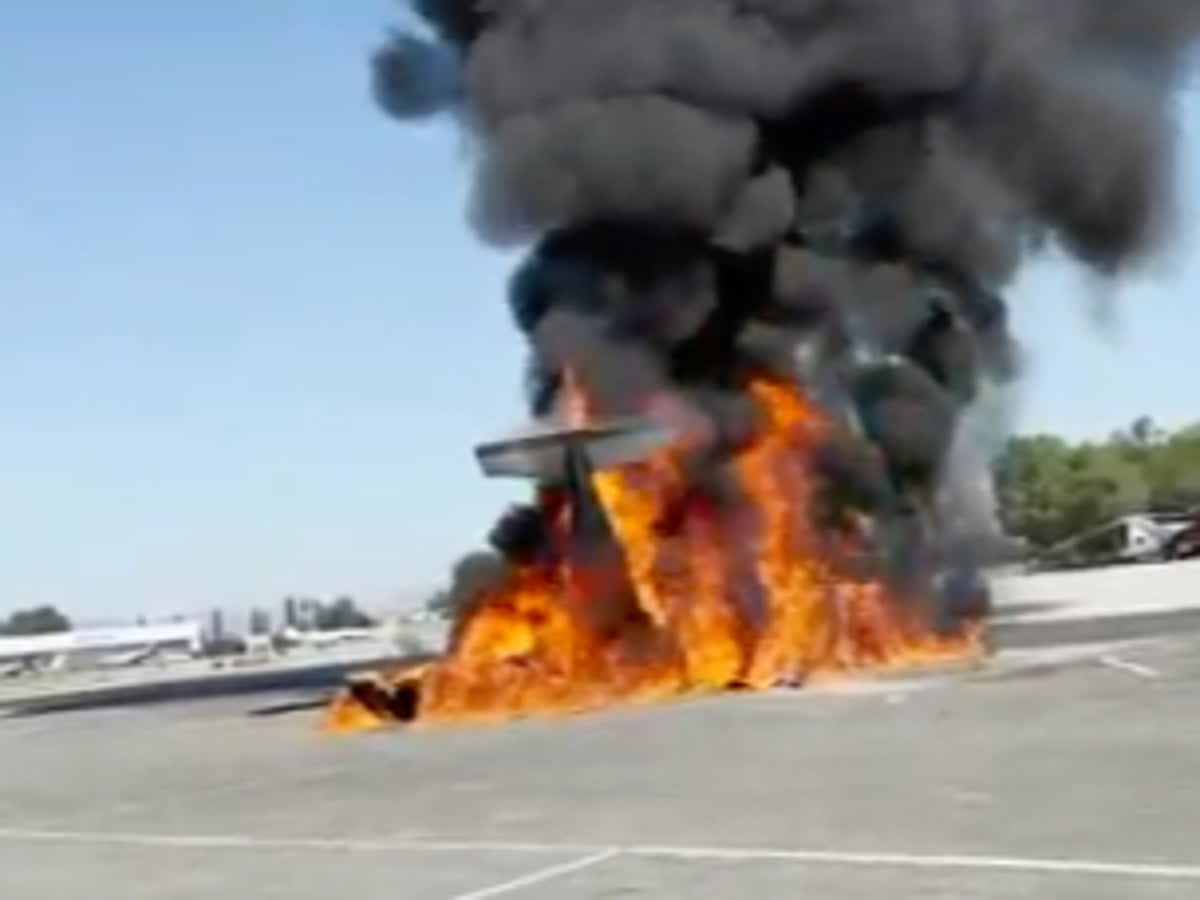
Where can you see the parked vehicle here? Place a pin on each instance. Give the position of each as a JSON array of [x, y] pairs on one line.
[[1185, 544]]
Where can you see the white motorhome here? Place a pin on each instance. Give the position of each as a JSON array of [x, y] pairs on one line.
[[1131, 539]]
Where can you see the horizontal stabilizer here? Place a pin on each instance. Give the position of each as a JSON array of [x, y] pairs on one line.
[[544, 455]]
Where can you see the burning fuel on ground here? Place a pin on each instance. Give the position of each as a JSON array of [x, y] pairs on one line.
[[769, 240]]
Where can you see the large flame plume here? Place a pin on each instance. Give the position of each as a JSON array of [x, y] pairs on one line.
[[715, 602]]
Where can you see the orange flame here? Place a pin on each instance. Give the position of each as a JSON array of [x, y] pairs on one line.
[[709, 603]]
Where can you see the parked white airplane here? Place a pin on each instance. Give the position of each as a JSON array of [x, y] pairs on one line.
[[32, 665], [125, 646], [129, 658], [323, 639], [18, 668]]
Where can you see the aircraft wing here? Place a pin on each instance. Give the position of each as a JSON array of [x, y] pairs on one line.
[[543, 454]]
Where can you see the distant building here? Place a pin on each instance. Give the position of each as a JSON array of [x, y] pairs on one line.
[[260, 622], [216, 626], [291, 616]]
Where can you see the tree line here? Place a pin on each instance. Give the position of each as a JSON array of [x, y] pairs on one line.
[[1050, 489]]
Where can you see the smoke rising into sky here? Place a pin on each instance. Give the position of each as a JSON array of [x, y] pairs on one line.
[[838, 190]]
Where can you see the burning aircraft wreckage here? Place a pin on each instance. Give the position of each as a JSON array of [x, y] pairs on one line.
[[769, 239]]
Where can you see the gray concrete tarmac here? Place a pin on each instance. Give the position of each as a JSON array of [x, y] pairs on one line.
[[1043, 774]]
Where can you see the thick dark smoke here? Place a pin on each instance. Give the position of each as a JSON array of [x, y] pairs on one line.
[[838, 190]]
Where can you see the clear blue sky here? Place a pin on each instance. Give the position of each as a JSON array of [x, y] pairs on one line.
[[247, 341]]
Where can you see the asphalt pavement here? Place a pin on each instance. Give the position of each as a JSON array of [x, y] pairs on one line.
[[1066, 773]]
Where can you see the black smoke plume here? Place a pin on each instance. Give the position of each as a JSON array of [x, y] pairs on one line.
[[838, 190]]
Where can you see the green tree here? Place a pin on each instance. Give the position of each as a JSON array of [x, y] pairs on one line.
[[1174, 471], [342, 613], [39, 620], [1031, 479], [1102, 484]]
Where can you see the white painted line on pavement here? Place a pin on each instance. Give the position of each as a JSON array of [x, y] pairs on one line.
[[1130, 668], [253, 842], [540, 876], [1169, 871], [594, 853]]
